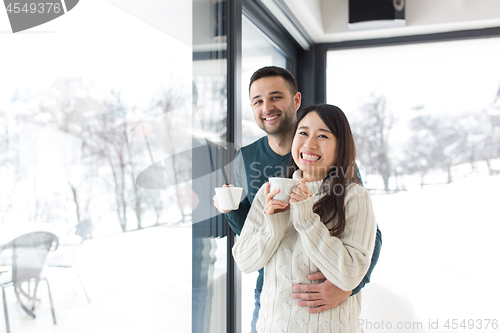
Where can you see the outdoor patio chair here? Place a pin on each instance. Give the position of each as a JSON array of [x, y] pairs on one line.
[[68, 249], [28, 254]]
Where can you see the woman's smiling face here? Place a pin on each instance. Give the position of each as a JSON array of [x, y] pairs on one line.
[[314, 147]]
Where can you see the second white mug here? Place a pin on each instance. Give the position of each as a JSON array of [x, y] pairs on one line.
[[285, 185]]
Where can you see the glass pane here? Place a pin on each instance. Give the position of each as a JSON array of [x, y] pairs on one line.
[[210, 153], [427, 123], [258, 51], [80, 99]]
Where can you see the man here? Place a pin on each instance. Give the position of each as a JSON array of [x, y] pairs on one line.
[[275, 99]]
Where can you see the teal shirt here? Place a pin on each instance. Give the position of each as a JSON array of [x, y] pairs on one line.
[[253, 165]]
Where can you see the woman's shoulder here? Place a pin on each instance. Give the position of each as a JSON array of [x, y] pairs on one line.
[[357, 201], [356, 190]]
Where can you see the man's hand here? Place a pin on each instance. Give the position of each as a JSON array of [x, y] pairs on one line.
[[320, 297], [216, 203]]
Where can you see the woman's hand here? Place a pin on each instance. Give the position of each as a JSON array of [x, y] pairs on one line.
[[272, 205], [300, 192]]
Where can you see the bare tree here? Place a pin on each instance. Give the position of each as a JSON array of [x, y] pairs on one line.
[[438, 142], [64, 106], [106, 142], [178, 166], [103, 123], [418, 152], [6, 166], [487, 133], [371, 133]]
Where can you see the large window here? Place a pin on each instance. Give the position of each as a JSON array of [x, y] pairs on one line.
[[426, 119], [74, 92]]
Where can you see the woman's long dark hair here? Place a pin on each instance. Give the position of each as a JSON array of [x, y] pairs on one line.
[[334, 186]]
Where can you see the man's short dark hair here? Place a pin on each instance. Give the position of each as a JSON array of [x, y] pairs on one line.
[[271, 71]]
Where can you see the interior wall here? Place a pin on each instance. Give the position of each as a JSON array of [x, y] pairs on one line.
[[327, 20]]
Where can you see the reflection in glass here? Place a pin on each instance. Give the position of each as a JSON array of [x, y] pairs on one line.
[[210, 153], [69, 104]]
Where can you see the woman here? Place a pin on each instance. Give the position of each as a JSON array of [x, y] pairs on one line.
[[327, 226]]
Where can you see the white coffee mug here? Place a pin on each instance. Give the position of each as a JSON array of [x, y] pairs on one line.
[[228, 197], [285, 185]]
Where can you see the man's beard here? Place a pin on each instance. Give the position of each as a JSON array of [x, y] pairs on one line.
[[285, 123]]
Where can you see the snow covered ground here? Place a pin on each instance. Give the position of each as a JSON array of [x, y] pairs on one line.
[[137, 282], [440, 250]]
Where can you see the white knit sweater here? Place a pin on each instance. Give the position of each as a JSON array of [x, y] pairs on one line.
[[293, 244]]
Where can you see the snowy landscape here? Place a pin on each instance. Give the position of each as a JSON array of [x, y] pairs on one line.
[[439, 251], [428, 151]]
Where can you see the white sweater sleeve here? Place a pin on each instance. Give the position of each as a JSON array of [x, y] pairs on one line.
[[260, 236], [345, 261]]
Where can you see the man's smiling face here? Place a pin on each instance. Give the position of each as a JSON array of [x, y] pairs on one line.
[[273, 105]]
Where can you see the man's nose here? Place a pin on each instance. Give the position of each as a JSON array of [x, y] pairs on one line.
[[267, 107]]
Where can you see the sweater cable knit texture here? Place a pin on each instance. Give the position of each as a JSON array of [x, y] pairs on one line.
[[295, 243]]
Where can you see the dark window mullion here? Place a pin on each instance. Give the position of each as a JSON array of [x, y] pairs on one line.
[[234, 45]]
